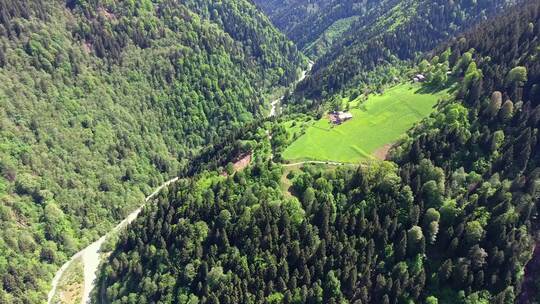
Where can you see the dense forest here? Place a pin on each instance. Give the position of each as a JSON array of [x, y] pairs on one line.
[[100, 101], [310, 23], [450, 218], [389, 35]]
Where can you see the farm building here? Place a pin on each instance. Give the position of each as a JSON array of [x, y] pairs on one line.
[[339, 117]]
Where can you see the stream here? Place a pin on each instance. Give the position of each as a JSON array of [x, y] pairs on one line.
[[276, 102]]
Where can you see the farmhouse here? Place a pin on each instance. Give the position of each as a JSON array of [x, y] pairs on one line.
[[339, 117]]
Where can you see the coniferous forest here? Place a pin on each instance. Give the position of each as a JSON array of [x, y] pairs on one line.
[[388, 34], [451, 218], [103, 101], [100, 101]]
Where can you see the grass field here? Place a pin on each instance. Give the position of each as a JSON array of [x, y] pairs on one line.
[[380, 121]]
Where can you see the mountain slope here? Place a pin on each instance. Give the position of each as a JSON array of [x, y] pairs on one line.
[[101, 101], [450, 219], [391, 32], [306, 22]]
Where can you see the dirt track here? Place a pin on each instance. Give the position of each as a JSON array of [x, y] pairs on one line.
[[91, 255]]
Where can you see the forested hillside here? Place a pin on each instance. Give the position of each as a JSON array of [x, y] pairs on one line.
[[313, 25], [100, 101], [449, 219], [386, 36]]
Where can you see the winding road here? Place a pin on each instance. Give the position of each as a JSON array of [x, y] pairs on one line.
[[91, 255]]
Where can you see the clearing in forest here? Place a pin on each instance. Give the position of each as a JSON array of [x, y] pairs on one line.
[[379, 121]]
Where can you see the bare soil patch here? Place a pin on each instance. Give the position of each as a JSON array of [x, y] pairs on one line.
[[242, 162], [71, 285], [382, 152]]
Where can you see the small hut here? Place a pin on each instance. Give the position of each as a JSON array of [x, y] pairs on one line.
[[339, 117]]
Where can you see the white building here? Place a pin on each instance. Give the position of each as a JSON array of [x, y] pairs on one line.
[[343, 116]]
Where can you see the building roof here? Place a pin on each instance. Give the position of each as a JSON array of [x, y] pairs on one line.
[[345, 115]]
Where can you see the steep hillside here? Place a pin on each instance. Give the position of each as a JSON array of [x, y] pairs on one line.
[[449, 219], [312, 25], [101, 101], [387, 35]]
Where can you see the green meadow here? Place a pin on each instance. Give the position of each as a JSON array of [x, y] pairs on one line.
[[377, 122]]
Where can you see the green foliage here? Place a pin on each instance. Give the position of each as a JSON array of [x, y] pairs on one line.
[[388, 33], [294, 207], [450, 217], [314, 25], [384, 119], [333, 286], [432, 215], [101, 102], [478, 298], [517, 75], [473, 232], [432, 300], [260, 250], [325, 41], [275, 298], [497, 141], [415, 240]]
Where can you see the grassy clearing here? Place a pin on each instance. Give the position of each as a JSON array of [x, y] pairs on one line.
[[296, 126], [285, 182], [381, 120], [70, 287]]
